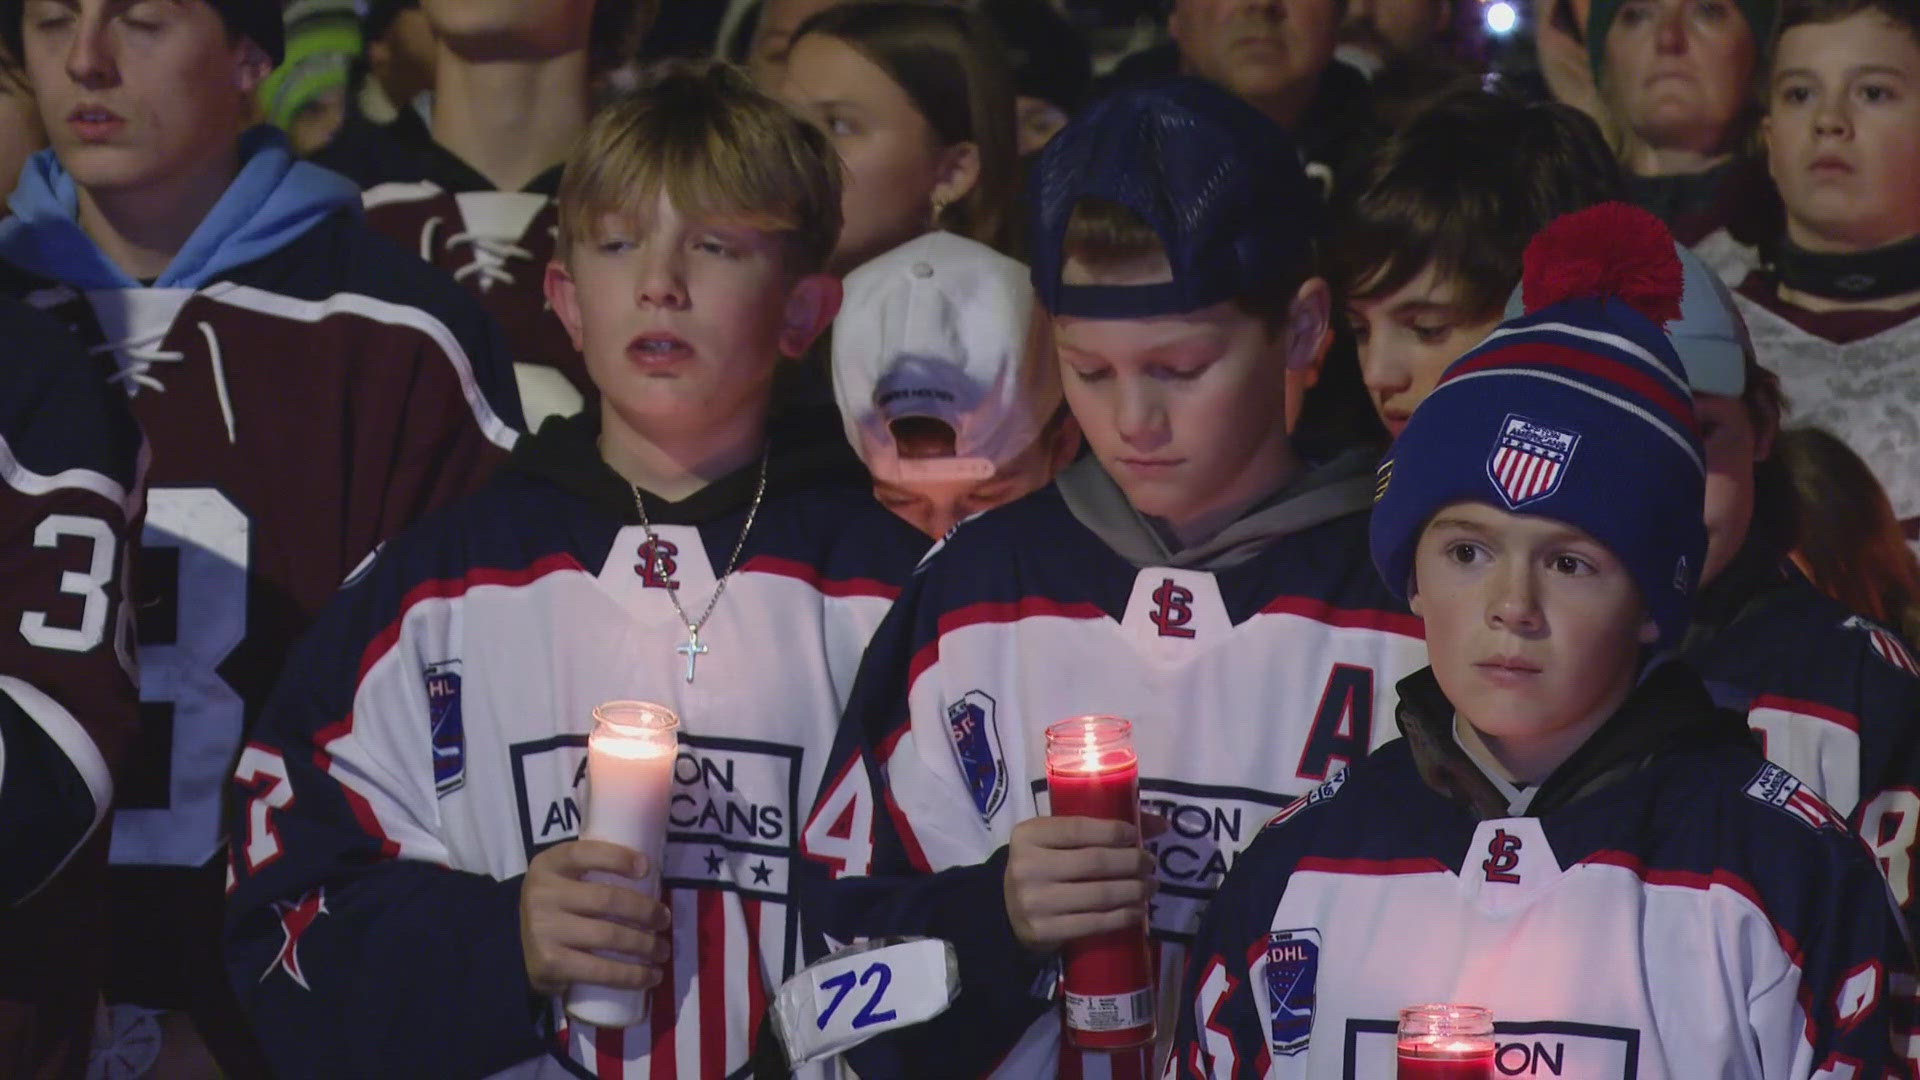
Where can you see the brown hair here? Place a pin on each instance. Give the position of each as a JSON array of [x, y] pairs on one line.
[[1847, 537], [954, 70], [1901, 13], [1462, 188], [719, 148], [1106, 235]]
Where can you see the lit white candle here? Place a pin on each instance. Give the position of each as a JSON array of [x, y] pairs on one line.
[[629, 778]]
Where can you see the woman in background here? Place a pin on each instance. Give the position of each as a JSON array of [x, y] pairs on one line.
[[918, 101], [1676, 80]]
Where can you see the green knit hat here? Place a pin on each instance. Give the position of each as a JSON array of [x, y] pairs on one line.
[[323, 40], [1760, 17]]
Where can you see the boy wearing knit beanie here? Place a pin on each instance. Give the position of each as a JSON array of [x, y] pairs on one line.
[[1570, 834]]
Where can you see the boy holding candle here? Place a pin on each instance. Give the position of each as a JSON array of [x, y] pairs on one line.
[[1193, 574], [1570, 833], [408, 894]]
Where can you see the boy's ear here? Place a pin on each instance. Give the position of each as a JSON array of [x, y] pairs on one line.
[[252, 68], [959, 171], [1309, 325], [811, 306], [1649, 630], [563, 296]]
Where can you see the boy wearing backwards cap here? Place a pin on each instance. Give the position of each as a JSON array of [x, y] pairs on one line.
[[944, 372], [1570, 834], [307, 389], [1192, 574]]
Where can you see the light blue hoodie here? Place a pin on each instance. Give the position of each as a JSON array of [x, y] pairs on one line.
[[273, 200]]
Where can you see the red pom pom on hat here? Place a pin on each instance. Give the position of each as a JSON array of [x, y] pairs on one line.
[[1609, 251]]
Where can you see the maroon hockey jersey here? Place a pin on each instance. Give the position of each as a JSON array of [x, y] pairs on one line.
[[496, 243], [70, 492]]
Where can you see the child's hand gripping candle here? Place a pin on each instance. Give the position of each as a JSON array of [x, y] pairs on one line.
[[629, 776], [1445, 1042], [1092, 772]]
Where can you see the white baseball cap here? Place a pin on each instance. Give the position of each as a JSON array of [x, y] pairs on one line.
[[941, 328]]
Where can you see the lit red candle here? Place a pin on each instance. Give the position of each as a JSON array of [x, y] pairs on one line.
[[1445, 1042], [629, 778], [1108, 983]]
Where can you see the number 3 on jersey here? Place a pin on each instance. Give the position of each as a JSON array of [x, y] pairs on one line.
[[90, 585], [207, 539]]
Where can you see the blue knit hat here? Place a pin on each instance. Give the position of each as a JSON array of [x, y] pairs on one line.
[[1220, 184], [1578, 411]]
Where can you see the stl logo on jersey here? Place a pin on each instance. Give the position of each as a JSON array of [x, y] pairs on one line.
[[1503, 853], [1293, 967], [1529, 460], [657, 566], [976, 743], [1173, 610], [449, 730]]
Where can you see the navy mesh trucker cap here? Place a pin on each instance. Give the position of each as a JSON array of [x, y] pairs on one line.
[[1220, 183]]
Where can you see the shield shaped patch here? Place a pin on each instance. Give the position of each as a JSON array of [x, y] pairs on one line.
[[1529, 460], [449, 733], [976, 743], [1293, 966]]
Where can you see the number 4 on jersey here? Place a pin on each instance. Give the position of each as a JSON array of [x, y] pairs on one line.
[[840, 832]]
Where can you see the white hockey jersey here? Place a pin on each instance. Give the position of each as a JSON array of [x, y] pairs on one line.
[[1852, 373], [1247, 684], [429, 740], [1670, 906]]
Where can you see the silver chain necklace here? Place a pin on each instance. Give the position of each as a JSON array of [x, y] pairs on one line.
[[692, 648]]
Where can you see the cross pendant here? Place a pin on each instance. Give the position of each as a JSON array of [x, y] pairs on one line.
[[692, 650]]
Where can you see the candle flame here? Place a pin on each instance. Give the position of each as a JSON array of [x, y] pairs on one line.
[[631, 747]]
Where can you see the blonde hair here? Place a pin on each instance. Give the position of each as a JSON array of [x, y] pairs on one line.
[[720, 149]]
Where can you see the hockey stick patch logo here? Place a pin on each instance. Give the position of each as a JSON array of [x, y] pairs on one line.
[[976, 743], [449, 729], [1529, 460], [1293, 966]]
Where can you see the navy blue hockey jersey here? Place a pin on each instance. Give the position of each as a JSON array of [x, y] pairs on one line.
[[1672, 906], [1834, 696], [429, 738], [1247, 684]]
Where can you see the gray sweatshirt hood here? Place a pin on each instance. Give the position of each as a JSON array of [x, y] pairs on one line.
[[1322, 493]]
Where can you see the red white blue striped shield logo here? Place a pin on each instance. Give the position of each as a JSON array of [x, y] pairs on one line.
[[1529, 460]]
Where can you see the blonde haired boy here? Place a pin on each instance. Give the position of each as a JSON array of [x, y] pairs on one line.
[[410, 895]]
